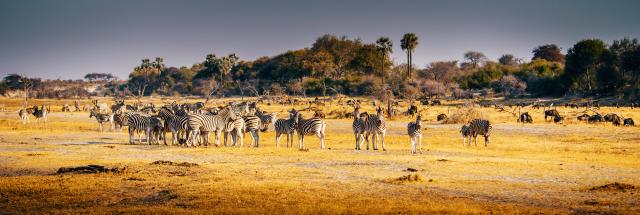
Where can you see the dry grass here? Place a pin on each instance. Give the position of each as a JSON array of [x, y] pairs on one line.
[[537, 168]]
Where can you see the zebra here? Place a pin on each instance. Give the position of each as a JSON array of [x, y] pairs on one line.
[[414, 130], [478, 127], [235, 128], [203, 124], [358, 127], [266, 119], [24, 115], [102, 118], [141, 123], [157, 130], [628, 122], [176, 124], [466, 133], [101, 107], [118, 107], [286, 126], [441, 117], [253, 124], [314, 125], [40, 113], [377, 126]]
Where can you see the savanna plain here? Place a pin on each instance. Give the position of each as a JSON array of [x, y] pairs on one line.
[[573, 167]]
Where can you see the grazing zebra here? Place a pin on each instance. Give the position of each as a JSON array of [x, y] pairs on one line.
[[629, 122], [525, 118], [102, 118], [157, 130], [466, 133], [414, 130], [596, 118], [140, 123], [558, 119], [551, 113], [24, 115], [479, 127], [358, 127], [583, 117], [377, 126], [314, 125], [40, 113], [203, 124], [613, 118], [286, 126]]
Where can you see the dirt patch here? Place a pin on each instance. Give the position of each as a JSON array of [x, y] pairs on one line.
[[33, 154], [111, 147], [171, 163], [90, 169], [135, 179], [411, 170], [159, 197], [442, 160], [405, 179], [612, 187]]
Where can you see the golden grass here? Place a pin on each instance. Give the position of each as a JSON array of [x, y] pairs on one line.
[[534, 168]]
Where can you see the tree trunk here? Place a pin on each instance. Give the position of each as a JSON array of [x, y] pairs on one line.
[[382, 69]]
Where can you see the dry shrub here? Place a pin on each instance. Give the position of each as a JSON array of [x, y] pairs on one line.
[[464, 115], [405, 179]]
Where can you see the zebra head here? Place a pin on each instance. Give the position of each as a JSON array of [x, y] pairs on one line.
[[380, 113], [93, 113]]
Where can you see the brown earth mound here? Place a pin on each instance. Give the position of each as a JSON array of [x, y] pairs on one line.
[[405, 179], [89, 169], [613, 187], [171, 163]]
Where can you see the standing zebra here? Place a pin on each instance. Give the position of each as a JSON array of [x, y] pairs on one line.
[[478, 127], [24, 115], [314, 125], [466, 133], [235, 128], [157, 130], [140, 123], [286, 126], [174, 123], [377, 126], [358, 127], [203, 124], [102, 118], [414, 130], [253, 124]]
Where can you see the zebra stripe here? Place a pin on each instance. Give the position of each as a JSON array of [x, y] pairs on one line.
[[235, 128], [286, 126], [358, 127], [314, 125], [414, 130], [102, 118], [202, 124], [140, 123], [478, 127], [377, 126]]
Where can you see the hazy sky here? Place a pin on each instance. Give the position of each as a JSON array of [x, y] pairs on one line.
[[67, 39]]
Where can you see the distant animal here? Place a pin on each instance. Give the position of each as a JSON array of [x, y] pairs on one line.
[[466, 133], [314, 125], [583, 117], [287, 127], [412, 110], [24, 115], [525, 118], [118, 107], [102, 118], [100, 107], [558, 119], [551, 113], [66, 108], [40, 113], [441, 117], [596, 118], [629, 122], [476, 128], [615, 119], [414, 130]]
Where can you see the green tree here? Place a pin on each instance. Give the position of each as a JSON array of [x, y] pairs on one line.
[[384, 46], [508, 60], [549, 52], [583, 60], [409, 43], [475, 58]]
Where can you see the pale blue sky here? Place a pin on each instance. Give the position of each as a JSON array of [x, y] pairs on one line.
[[69, 38]]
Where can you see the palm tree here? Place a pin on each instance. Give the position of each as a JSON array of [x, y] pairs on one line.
[[409, 42], [384, 45]]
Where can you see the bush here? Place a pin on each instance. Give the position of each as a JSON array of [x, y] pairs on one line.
[[464, 115]]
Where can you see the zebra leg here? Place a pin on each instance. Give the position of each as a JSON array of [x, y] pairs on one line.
[[486, 140], [240, 135], [382, 134], [366, 138], [217, 141], [131, 135], [301, 141], [357, 140], [149, 133], [278, 140], [475, 142], [321, 136], [420, 142], [289, 139], [374, 141]]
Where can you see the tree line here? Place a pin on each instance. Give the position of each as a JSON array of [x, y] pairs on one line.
[[341, 65]]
